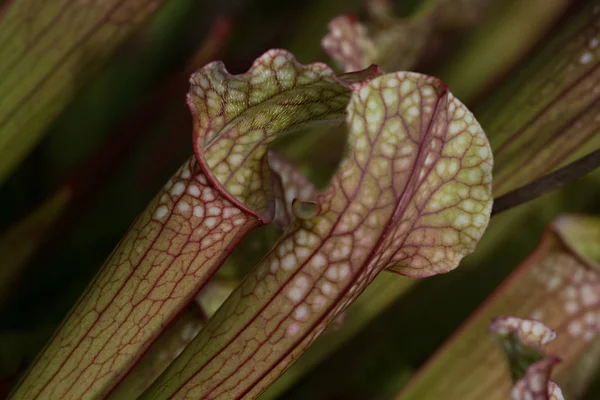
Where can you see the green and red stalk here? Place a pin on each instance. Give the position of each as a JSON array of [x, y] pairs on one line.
[[171, 250], [191, 226], [413, 195], [289, 185]]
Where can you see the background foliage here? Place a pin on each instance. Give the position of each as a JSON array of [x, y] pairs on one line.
[[124, 129]]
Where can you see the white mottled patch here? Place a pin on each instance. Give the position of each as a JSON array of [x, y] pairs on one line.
[[301, 312], [319, 262], [238, 221], [213, 211], [298, 290], [344, 271], [161, 212], [274, 265], [210, 222], [318, 302], [293, 329], [327, 288], [574, 329], [571, 307], [586, 58], [537, 383], [206, 242], [183, 206], [208, 196], [199, 211], [229, 212], [194, 190], [553, 283], [289, 262], [178, 189], [462, 221], [589, 297]]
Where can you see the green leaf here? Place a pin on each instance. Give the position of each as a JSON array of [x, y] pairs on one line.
[[46, 53], [546, 115], [556, 285], [413, 195], [193, 223], [490, 51]]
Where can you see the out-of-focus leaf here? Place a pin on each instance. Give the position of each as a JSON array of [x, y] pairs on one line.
[[20, 241], [547, 114], [396, 43], [392, 204], [47, 51], [491, 50], [349, 45], [556, 285], [524, 342], [193, 223], [459, 13]]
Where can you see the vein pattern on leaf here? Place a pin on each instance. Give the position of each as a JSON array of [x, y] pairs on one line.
[[413, 195], [239, 116], [192, 225]]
